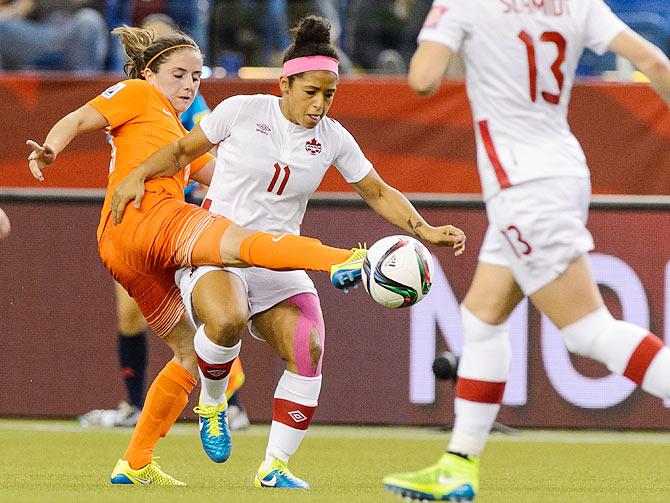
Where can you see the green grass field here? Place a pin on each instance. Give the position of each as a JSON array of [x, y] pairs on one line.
[[56, 461]]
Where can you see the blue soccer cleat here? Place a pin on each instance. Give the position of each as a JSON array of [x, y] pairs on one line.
[[278, 476], [214, 431], [348, 274]]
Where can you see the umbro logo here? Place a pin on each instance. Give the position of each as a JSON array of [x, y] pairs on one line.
[[297, 416], [216, 372], [263, 128]]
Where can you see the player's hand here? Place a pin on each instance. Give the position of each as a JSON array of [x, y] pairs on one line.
[[445, 235], [130, 189], [39, 158], [4, 225]]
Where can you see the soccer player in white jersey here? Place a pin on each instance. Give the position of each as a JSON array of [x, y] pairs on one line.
[[520, 60], [272, 155]]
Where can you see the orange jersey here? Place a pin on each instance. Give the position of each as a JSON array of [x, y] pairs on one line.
[[141, 121]]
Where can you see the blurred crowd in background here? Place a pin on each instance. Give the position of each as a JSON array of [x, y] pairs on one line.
[[374, 36]]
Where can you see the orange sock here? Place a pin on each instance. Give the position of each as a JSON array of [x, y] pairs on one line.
[[285, 252], [236, 379], [167, 397]]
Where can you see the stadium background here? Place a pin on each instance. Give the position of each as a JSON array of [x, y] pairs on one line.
[[57, 329]]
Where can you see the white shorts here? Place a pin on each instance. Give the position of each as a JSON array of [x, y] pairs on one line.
[[265, 288], [537, 229]]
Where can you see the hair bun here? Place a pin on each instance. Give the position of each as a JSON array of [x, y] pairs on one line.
[[312, 30]]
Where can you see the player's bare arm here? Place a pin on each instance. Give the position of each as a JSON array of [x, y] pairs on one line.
[[165, 162], [427, 67], [82, 120], [395, 208], [648, 58]]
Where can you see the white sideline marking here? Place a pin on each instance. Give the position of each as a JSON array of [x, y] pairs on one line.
[[368, 432]]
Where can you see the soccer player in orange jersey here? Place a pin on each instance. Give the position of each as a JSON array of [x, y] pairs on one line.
[[131, 336], [161, 233]]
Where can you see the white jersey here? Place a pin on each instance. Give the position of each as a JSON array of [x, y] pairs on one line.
[[520, 58], [267, 168]]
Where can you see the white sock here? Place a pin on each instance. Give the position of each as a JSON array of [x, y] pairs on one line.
[[482, 372], [214, 364], [624, 348], [472, 426], [657, 378], [295, 401]]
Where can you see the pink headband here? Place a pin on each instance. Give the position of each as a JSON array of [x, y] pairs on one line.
[[309, 63]]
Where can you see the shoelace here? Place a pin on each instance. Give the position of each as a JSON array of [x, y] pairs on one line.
[[210, 412], [282, 468], [359, 253]]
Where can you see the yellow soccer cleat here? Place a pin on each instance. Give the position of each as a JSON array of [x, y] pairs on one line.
[[453, 478], [150, 475], [348, 274]]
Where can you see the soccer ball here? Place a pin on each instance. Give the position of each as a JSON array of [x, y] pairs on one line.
[[397, 271]]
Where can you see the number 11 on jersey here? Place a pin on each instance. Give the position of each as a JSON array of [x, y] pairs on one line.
[[275, 178]]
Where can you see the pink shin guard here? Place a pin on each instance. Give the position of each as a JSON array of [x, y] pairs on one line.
[[310, 319]]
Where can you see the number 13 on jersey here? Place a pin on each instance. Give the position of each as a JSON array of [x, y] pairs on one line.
[[551, 37]]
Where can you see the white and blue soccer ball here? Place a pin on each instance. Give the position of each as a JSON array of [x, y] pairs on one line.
[[397, 271]]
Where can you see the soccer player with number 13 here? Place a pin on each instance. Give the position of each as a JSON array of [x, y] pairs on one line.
[[520, 60]]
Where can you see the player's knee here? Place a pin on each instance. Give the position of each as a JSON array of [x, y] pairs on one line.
[[308, 352], [601, 337], [185, 357], [315, 350], [581, 337], [487, 352], [131, 322], [225, 328], [487, 309], [309, 335]]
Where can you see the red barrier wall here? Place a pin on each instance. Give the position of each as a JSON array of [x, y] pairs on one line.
[[57, 336], [417, 144]]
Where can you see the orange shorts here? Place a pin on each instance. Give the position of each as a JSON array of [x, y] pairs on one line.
[[144, 251]]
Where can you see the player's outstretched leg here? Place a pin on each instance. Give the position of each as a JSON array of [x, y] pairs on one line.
[[149, 475], [285, 251], [452, 478]]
